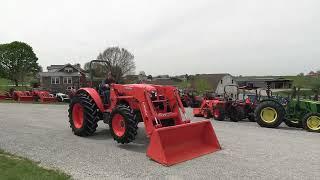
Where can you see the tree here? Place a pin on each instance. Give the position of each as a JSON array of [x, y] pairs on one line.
[[99, 69], [315, 85], [149, 77], [121, 61], [17, 61]]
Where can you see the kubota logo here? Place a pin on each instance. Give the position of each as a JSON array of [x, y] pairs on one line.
[[163, 115]]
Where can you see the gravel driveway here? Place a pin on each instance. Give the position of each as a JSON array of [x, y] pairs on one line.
[[42, 133]]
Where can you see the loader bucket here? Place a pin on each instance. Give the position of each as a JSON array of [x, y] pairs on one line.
[[175, 144]]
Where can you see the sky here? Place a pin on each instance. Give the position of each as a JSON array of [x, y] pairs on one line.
[[247, 37]]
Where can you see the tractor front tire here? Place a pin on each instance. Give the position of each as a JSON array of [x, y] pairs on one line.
[[295, 124], [207, 114], [83, 115], [311, 122], [123, 124], [251, 117], [269, 114], [218, 114]]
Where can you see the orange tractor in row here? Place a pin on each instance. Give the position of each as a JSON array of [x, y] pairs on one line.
[[231, 107], [173, 138]]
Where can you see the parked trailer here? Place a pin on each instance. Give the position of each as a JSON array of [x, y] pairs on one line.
[[3, 97], [22, 96], [44, 96]]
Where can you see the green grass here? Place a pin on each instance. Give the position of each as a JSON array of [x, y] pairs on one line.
[[14, 168], [304, 93], [301, 81], [4, 81], [6, 85]]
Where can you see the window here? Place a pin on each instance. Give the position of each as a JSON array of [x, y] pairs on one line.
[[67, 80], [232, 81], [221, 81], [55, 80], [68, 69]]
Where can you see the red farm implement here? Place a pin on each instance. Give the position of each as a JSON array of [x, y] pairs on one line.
[[173, 138], [22, 96], [43, 96], [6, 95], [2, 97]]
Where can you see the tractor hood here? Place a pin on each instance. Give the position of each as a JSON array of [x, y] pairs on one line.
[[147, 87]]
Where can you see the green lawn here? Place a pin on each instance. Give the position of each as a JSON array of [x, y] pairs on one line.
[[4, 81], [15, 168], [6, 85]]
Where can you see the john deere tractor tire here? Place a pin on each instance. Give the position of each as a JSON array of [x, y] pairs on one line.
[[123, 124], [269, 114], [311, 122], [218, 114], [236, 114], [83, 115], [295, 124]]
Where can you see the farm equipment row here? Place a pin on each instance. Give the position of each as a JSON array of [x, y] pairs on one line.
[[268, 111], [35, 95]]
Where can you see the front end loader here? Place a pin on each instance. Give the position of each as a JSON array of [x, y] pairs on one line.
[[173, 138]]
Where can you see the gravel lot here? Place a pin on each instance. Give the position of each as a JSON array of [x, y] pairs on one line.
[[42, 133]]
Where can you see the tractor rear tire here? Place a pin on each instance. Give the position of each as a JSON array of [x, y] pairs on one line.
[[295, 124], [83, 115], [123, 124], [311, 122], [269, 114], [237, 114]]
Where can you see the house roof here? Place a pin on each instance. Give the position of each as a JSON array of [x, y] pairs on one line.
[[261, 78], [213, 80], [55, 68], [78, 68]]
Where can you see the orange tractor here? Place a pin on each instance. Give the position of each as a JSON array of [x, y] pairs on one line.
[[173, 138], [229, 106]]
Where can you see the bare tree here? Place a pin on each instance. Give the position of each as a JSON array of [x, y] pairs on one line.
[[121, 61]]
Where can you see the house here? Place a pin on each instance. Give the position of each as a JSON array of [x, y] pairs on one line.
[[59, 78], [313, 74], [216, 82], [276, 82]]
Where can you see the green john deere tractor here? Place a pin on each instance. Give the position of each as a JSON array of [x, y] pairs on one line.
[[299, 113]]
